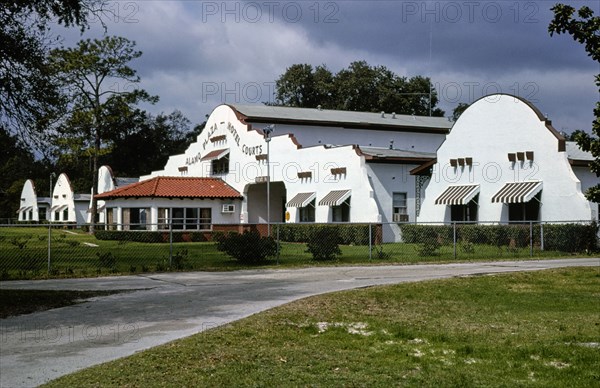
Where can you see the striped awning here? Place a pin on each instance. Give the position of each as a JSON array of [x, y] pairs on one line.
[[301, 199], [515, 192], [335, 198], [457, 195], [216, 154], [58, 208]]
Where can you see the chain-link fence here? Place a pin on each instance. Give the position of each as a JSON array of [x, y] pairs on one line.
[[51, 250]]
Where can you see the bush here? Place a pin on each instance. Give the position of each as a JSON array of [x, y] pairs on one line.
[[348, 234], [248, 247], [323, 243], [150, 236], [106, 260], [571, 237], [557, 237]]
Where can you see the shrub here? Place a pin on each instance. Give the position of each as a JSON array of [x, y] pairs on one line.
[[178, 260], [323, 243], [106, 260], [248, 247]]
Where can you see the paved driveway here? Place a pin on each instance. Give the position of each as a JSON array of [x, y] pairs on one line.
[[159, 308]]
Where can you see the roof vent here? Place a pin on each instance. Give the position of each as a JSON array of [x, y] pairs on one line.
[[393, 115], [382, 114]]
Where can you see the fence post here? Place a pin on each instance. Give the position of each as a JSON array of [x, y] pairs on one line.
[[530, 238], [170, 245], [370, 243], [541, 236], [278, 244], [49, 244], [454, 238]]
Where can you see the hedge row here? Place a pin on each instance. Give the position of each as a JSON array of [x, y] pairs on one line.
[[558, 237], [150, 236], [347, 234]]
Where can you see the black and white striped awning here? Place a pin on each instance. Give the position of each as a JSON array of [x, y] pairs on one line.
[[58, 208], [301, 199], [335, 198], [515, 192], [457, 195]]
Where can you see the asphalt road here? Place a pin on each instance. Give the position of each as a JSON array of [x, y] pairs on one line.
[[160, 308]]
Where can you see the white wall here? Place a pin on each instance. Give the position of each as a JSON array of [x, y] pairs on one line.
[[63, 195], [286, 160], [155, 203], [309, 135], [588, 179], [28, 200], [487, 131]]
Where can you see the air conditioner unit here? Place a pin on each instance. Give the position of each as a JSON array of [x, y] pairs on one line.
[[228, 208], [400, 217]]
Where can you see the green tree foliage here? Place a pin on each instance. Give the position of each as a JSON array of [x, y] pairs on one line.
[[146, 144], [460, 108], [99, 82], [360, 87], [28, 97], [17, 163], [585, 29]]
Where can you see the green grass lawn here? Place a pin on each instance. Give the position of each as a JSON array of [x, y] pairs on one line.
[[521, 329], [24, 255]]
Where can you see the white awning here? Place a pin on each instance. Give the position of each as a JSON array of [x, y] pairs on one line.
[[301, 199], [457, 195], [216, 154], [516, 192], [335, 198]]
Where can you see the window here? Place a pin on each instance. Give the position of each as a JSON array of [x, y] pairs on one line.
[[465, 213], [42, 213], [66, 214], [177, 218], [220, 166], [307, 213], [525, 211], [341, 213], [399, 207], [185, 218], [57, 216], [135, 218]]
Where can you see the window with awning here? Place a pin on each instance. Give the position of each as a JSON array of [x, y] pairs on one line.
[[301, 199], [219, 161], [335, 198], [216, 154], [518, 192], [457, 195], [339, 201]]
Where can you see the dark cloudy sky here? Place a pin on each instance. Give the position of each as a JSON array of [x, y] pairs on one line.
[[198, 54]]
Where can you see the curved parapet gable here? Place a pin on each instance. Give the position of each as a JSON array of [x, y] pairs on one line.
[[498, 140], [28, 209], [63, 200], [547, 123]]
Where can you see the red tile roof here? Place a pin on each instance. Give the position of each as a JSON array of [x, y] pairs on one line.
[[174, 187]]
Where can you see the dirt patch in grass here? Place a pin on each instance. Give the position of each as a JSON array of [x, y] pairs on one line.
[[19, 302]]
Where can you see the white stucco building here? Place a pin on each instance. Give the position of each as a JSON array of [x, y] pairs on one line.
[[107, 181], [32, 207], [325, 166], [67, 206], [504, 162]]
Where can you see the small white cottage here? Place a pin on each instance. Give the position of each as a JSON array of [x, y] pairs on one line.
[[67, 206], [32, 207]]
